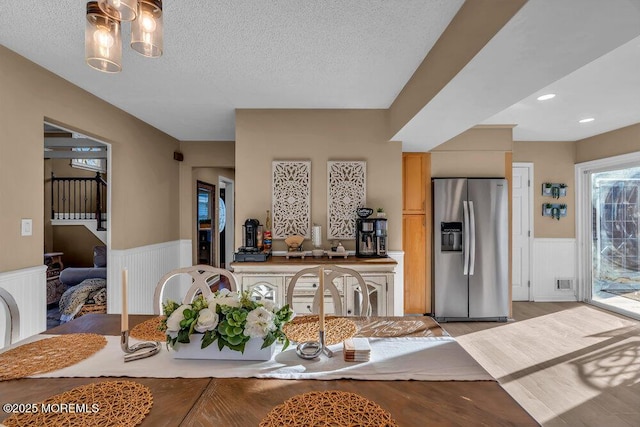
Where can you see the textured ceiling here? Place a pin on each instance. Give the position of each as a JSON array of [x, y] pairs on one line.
[[221, 55]]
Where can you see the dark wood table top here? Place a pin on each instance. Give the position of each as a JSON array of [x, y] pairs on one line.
[[245, 401]]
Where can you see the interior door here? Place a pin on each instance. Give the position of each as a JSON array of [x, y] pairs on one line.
[[205, 224], [521, 220]]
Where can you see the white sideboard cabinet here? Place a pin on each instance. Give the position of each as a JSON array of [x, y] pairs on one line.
[[270, 280]]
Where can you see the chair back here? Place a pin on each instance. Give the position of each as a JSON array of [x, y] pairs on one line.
[[331, 272], [12, 318], [202, 279]]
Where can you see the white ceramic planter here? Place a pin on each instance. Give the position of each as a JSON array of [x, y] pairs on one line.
[[192, 350]]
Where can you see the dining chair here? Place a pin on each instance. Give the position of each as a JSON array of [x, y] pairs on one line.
[[203, 277], [332, 272], [12, 318]]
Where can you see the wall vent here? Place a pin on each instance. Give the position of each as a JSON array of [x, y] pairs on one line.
[[564, 284]]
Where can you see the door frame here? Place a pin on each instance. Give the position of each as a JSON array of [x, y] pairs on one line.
[[584, 260], [529, 166], [230, 227]]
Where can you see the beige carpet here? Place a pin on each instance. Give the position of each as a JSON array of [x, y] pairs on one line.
[[568, 365]]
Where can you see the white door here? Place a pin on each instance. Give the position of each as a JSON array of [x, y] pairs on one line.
[[521, 230]]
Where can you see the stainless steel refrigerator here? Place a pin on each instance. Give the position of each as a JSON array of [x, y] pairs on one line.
[[471, 249]]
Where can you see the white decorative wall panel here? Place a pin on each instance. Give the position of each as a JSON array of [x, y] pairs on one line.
[[29, 288], [291, 199], [553, 259], [346, 184], [145, 265]]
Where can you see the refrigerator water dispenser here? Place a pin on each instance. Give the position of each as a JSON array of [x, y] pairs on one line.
[[451, 233]]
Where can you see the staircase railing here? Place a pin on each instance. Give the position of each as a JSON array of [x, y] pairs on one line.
[[79, 198]]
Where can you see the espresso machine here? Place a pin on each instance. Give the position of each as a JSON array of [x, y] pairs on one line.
[[252, 249], [371, 237]]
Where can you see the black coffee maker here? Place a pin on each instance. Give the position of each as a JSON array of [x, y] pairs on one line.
[[371, 237], [250, 235]]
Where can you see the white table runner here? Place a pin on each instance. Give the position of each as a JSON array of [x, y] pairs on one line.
[[399, 358]]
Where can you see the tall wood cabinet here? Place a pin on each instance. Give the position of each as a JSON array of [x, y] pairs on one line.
[[416, 232]]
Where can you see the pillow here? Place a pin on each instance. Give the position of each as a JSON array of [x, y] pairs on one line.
[[100, 256]]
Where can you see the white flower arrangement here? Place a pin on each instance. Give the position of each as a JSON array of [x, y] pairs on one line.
[[231, 318]]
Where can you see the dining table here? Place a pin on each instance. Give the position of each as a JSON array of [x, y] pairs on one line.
[[245, 401]]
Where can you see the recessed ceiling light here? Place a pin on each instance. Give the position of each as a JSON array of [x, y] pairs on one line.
[[546, 97], [587, 120]]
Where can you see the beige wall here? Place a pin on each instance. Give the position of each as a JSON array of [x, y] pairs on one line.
[[614, 143], [144, 174], [77, 243], [478, 152], [552, 162], [316, 135]]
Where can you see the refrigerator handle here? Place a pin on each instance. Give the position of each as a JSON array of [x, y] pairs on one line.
[[465, 249], [472, 247]]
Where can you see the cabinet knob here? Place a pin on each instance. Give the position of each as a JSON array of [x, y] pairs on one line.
[[309, 308], [349, 311], [315, 285]]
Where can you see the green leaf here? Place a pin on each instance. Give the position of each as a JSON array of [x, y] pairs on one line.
[[286, 343], [234, 340], [183, 336], [208, 339], [269, 339], [187, 313]]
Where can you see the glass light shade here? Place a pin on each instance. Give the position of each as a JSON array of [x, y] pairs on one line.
[[146, 30], [122, 10], [102, 41]]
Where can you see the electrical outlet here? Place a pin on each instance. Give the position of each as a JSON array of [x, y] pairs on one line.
[[27, 227]]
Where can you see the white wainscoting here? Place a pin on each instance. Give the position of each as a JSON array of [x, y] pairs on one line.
[[29, 288], [145, 266], [553, 259], [398, 284]]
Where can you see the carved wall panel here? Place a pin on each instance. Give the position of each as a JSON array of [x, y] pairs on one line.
[[347, 192], [291, 199]]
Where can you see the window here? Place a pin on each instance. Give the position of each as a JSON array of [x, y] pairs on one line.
[[88, 164]]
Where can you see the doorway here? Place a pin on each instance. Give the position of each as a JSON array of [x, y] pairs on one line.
[[608, 222], [522, 231], [226, 221], [615, 279], [206, 251]]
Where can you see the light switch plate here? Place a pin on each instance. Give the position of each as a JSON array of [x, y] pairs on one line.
[[27, 227]]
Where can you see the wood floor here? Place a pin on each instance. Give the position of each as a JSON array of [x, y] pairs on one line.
[[567, 364]]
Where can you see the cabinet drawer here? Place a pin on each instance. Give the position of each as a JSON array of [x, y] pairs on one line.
[[303, 304], [310, 285]]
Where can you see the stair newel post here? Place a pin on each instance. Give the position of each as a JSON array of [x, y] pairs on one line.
[[53, 212], [98, 201]]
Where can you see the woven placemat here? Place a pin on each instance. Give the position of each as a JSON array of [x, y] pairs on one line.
[[328, 408], [305, 328], [108, 403], [150, 330], [48, 355]]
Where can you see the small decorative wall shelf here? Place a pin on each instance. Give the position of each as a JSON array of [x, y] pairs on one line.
[[554, 190], [554, 210]]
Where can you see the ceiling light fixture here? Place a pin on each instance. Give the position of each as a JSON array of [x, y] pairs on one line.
[[103, 42], [546, 97], [587, 120]]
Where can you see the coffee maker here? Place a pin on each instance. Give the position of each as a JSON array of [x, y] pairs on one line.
[[371, 237], [250, 235], [252, 249]]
